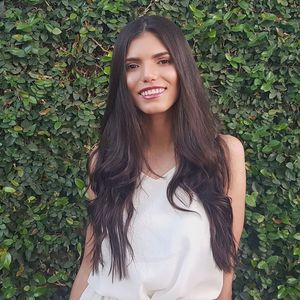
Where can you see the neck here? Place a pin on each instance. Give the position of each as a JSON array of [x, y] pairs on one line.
[[158, 132], [159, 148]]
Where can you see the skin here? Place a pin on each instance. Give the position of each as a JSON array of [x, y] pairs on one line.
[[80, 282], [237, 192], [149, 69]]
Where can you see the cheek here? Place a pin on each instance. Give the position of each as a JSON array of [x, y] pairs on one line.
[[175, 77], [132, 80], [174, 80], [170, 74]]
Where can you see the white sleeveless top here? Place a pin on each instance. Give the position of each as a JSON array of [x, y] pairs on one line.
[[172, 253]]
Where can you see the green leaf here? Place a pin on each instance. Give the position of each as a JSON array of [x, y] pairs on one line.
[[79, 183], [79, 249], [32, 100], [212, 33], [53, 279], [61, 201], [106, 58], [282, 293], [107, 70], [47, 237], [228, 15], [283, 2], [5, 260], [56, 31], [20, 171], [27, 38], [272, 260], [40, 291], [258, 217], [228, 56], [262, 265], [49, 27], [297, 236], [296, 251], [18, 128], [83, 31], [70, 221], [273, 112], [267, 149], [237, 28], [268, 16], [9, 189], [39, 278], [192, 7], [266, 86], [32, 147], [281, 126], [244, 5], [251, 199], [24, 27], [292, 281], [17, 52], [31, 199], [57, 125], [18, 37], [8, 242], [209, 23], [14, 182], [73, 16]]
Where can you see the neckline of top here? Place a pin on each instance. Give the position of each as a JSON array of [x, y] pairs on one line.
[[164, 176]]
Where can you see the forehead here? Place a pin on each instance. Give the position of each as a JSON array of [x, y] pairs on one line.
[[145, 44]]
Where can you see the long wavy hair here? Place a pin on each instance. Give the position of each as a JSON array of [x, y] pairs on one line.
[[202, 160]]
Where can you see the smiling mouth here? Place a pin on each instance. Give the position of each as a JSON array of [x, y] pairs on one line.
[[152, 93]]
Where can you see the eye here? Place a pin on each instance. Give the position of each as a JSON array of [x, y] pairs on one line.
[[165, 61], [131, 66]]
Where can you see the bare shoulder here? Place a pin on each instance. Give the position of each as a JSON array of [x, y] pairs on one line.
[[234, 145], [237, 168], [236, 162]]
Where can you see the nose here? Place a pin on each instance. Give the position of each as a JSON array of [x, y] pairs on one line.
[[149, 73]]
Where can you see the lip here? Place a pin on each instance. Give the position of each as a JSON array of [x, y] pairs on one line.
[[151, 88], [150, 97]]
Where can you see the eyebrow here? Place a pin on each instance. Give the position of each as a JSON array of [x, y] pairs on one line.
[[153, 56]]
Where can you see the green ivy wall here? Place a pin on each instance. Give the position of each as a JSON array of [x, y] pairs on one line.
[[54, 69]]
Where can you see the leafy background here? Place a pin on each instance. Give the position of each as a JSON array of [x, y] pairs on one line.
[[54, 68]]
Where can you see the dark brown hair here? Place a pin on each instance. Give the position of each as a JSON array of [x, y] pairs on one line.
[[200, 152]]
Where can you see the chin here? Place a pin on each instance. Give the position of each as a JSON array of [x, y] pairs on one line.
[[154, 109]]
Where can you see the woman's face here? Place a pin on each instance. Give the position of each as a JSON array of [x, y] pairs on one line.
[[151, 75]]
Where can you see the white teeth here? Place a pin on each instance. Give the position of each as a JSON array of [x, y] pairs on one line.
[[152, 92]]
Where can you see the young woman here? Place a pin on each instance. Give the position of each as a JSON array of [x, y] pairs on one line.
[[167, 189]]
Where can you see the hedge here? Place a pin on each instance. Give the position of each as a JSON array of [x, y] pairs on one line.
[[54, 67]]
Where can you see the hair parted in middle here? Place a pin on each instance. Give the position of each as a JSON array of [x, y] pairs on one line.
[[201, 154]]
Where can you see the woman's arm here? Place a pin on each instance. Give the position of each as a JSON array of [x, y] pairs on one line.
[[237, 192], [80, 282]]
